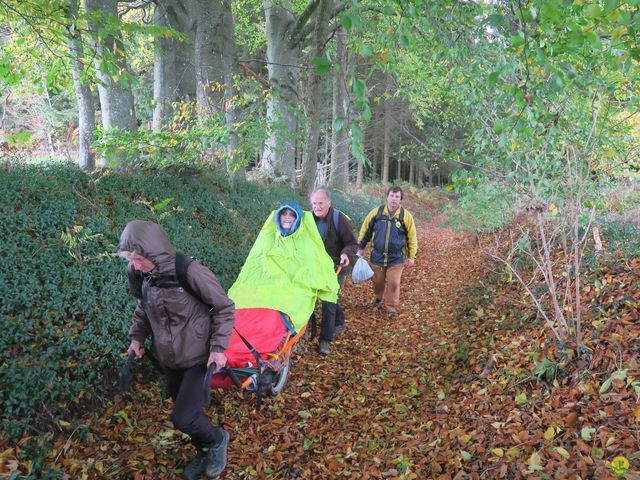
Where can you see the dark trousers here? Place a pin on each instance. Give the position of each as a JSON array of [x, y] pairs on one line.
[[185, 386], [332, 316]]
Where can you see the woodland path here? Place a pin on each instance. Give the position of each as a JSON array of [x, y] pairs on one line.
[[375, 408]]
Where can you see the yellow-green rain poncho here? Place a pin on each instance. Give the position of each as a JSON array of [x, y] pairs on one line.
[[287, 270]]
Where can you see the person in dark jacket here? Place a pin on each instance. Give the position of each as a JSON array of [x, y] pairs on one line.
[[336, 231], [189, 334]]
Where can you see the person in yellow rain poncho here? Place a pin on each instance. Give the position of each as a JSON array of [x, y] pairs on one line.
[[287, 267]]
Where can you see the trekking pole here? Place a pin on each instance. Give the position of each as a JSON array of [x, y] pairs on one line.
[[127, 372]]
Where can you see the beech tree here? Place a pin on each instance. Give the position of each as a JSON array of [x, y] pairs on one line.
[[82, 87], [174, 77], [339, 176], [114, 80]]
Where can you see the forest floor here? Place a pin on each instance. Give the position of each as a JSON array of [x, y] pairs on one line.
[[444, 391]]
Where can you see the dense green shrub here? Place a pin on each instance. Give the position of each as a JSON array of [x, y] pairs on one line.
[[620, 218], [64, 308], [484, 204]]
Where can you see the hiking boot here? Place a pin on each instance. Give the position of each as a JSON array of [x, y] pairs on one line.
[[339, 330], [324, 347], [217, 457], [196, 466], [377, 303], [393, 314]]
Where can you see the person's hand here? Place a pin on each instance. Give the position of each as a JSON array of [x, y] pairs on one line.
[[410, 262], [360, 252], [219, 358], [137, 348], [344, 260]]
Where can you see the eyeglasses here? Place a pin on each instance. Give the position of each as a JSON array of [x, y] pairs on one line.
[[287, 213]]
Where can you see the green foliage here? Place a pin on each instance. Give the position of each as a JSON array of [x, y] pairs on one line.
[[65, 309], [621, 234], [619, 217], [187, 141], [544, 370], [483, 205], [149, 148]]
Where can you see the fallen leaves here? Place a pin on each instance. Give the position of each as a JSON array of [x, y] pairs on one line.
[[444, 392]]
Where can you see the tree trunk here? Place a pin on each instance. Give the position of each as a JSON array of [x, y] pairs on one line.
[[314, 106], [339, 177], [215, 65], [84, 99], [360, 172], [173, 72], [376, 144], [230, 56], [279, 154], [399, 171], [213, 56], [412, 171], [386, 147], [209, 64], [114, 87]]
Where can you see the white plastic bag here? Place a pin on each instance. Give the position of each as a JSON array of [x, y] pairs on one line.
[[361, 271]]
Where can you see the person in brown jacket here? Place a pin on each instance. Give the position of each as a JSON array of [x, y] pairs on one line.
[[189, 334]]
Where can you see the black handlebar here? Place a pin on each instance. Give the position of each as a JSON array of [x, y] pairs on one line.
[[207, 384], [234, 378]]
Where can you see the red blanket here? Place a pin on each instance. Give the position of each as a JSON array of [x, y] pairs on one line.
[[263, 328]]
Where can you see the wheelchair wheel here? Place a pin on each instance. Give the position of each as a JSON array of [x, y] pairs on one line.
[[280, 379]]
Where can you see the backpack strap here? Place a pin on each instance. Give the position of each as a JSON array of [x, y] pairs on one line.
[[378, 215], [401, 218], [336, 218], [182, 265]]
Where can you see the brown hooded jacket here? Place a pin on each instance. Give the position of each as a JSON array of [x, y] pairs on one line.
[[185, 330]]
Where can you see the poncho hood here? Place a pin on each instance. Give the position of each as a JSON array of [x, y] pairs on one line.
[[297, 209]]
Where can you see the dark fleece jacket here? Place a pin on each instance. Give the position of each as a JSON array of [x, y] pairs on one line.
[[340, 240]]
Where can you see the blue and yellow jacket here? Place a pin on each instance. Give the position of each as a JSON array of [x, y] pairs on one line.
[[393, 237]]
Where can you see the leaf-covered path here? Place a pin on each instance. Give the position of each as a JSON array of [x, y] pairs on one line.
[[372, 409], [444, 391]]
